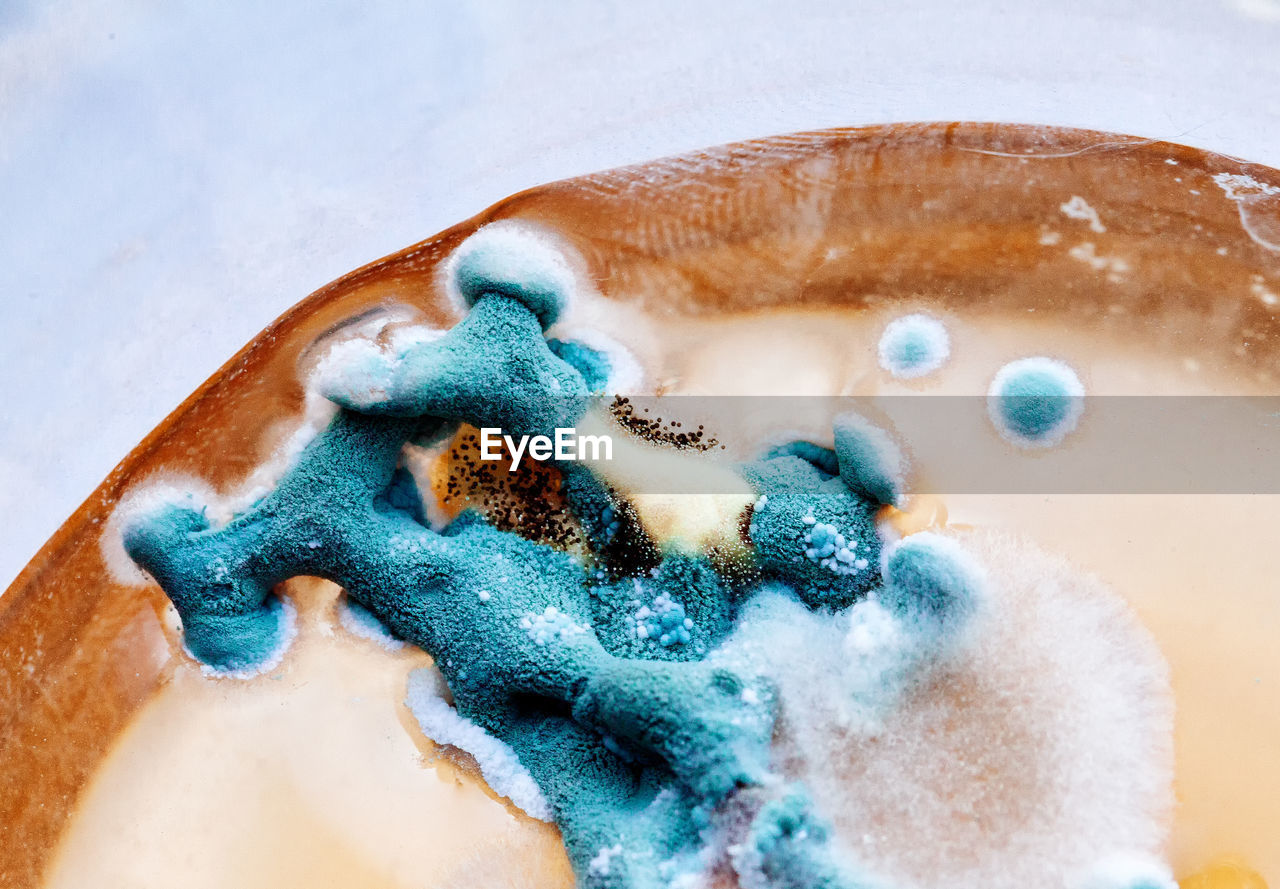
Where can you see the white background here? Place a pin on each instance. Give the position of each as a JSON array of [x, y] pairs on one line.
[[174, 175]]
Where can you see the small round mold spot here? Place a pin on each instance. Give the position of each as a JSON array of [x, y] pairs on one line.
[[914, 346], [1035, 402]]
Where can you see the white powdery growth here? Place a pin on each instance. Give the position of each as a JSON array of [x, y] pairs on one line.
[[516, 255], [914, 346], [359, 621], [826, 546], [859, 659], [1027, 755], [499, 765], [551, 625], [1078, 208], [879, 657], [1255, 202], [602, 862], [1238, 186], [626, 375], [361, 373]]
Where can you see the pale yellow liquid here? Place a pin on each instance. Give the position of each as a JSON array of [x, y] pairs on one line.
[[314, 774]]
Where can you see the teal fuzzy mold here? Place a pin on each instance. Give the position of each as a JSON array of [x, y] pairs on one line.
[[789, 846], [811, 532], [870, 463], [493, 369], [914, 346], [592, 364], [931, 582], [1035, 402], [514, 262], [606, 684]]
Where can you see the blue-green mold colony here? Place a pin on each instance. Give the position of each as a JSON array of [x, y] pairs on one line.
[[1035, 402], [614, 689], [914, 346]]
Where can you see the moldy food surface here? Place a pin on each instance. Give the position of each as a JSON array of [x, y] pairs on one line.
[[642, 700]]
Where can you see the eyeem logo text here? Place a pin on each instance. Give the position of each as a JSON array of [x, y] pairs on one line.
[[567, 444]]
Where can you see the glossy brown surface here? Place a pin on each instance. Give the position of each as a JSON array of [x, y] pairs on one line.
[[960, 215]]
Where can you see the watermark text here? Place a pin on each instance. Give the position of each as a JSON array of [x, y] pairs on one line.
[[566, 444]]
